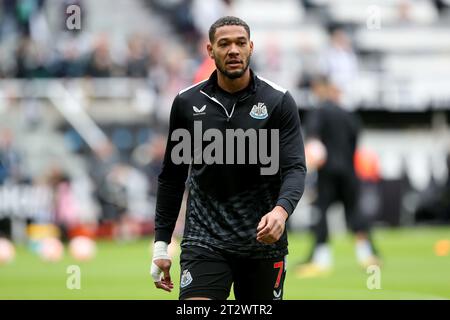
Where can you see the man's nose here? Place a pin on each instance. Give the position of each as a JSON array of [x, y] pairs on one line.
[[233, 49]]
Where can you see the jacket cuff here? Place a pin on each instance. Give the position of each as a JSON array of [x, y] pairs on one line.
[[286, 204], [163, 235]]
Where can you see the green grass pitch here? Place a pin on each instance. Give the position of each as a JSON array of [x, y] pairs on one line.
[[411, 270]]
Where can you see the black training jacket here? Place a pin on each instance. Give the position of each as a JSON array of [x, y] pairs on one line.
[[338, 129], [227, 201]]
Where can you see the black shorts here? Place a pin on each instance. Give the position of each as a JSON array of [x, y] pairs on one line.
[[210, 274]]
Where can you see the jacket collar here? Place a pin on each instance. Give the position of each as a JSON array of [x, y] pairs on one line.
[[210, 86]]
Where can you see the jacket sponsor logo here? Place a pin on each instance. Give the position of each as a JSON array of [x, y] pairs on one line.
[[198, 111], [186, 278], [259, 111]]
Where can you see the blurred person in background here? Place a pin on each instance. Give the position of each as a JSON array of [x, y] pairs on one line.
[[106, 158], [340, 64], [121, 191], [65, 206], [335, 131], [204, 13], [68, 61], [128, 191], [99, 63], [10, 171], [10, 158], [154, 156], [32, 59], [137, 59]]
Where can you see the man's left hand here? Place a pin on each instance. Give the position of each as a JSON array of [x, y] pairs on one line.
[[272, 225]]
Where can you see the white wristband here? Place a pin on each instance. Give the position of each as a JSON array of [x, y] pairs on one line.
[[160, 251]]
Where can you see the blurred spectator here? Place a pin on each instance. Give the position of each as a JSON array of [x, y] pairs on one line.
[[107, 173], [72, 207], [137, 57], [65, 212], [152, 169], [10, 158], [182, 17], [170, 76], [31, 60], [99, 63], [205, 13], [70, 63], [339, 62]]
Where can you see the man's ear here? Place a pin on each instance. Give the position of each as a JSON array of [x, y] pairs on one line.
[[209, 48], [251, 48]]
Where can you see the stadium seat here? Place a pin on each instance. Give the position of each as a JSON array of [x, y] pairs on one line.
[[391, 11], [404, 39], [261, 13]]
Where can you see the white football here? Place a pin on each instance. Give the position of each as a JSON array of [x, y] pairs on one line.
[[82, 248], [7, 251], [51, 249]]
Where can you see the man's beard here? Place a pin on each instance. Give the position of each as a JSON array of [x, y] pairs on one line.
[[234, 74]]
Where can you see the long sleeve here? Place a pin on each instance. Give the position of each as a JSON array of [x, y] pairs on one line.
[[171, 183], [313, 125], [292, 156]]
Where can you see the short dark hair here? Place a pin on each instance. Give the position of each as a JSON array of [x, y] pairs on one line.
[[227, 21]]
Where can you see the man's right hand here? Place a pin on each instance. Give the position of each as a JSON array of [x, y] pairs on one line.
[[161, 274], [160, 269]]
